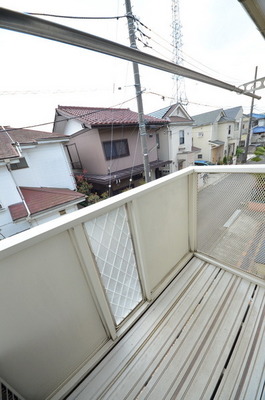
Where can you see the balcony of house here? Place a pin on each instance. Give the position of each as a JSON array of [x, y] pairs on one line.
[[157, 293]]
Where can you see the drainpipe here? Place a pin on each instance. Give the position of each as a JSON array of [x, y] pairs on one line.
[[169, 147], [7, 162]]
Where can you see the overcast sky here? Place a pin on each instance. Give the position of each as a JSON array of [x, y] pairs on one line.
[[219, 39]]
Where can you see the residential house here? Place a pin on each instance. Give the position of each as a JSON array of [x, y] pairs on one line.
[[258, 129], [175, 138], [105, 143], [218, 133], [36, 181]]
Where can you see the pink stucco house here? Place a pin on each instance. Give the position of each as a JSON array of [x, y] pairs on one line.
[[105, 143]]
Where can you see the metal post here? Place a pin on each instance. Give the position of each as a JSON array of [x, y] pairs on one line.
[[250, 118], [142, 129]]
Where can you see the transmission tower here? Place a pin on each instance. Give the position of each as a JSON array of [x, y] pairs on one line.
[[179, 92]]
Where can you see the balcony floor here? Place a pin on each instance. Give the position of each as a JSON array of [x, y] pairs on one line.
[[203, 338]]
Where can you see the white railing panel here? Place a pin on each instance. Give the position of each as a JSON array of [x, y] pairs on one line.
[[55, 318], [161, 223], [49, 321]]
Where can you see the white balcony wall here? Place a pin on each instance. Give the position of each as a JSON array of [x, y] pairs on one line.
[[55, 318], [161, 220]]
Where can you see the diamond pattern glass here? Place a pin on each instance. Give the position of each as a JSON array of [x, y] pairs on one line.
[[111, 243]]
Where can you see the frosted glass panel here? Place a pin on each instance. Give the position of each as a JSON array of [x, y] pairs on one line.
[[111, 244]]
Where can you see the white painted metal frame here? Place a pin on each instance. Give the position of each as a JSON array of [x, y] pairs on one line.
[[156, 270], [36, 26]]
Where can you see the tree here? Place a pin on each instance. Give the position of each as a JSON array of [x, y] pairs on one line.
[[260, 151], [84, 187]]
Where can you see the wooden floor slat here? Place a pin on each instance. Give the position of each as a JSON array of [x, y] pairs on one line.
[[203, 338]]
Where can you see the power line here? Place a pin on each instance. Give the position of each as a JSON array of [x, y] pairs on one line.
[[69, 118], [74, 17]]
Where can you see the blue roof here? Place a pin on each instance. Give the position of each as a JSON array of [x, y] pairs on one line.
[[259, 129], [160, 113], [258, 116]]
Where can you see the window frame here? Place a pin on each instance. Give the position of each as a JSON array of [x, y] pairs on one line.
[[115, 152], [20, 165], [181, 137]]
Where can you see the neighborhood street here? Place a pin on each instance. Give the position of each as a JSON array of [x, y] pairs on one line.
[[217, 203]]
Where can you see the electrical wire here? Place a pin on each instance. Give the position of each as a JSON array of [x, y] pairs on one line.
[[77, 17], [70, 118], [85, 17]]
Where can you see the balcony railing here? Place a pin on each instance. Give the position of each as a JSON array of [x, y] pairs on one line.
[[72, 287]]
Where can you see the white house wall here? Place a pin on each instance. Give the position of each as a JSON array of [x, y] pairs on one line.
[[177, 148], [203, 141], [71, 127], [170, 148], [163, 150], [35, 221], [48, 167], [90, 151]]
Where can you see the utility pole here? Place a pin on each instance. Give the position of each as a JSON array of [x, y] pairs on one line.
[[250, 117], [137, 83]]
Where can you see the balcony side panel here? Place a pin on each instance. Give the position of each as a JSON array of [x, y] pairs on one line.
[[161, 219], [46, 309]]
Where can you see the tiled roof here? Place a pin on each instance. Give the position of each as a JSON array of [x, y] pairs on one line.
[[9, 136], [169, 114], [97, 116], [42, 199], [210, 117], [231, 113], [160, 113], [207, 118]]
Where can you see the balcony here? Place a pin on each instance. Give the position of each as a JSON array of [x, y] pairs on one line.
[[155, 293]]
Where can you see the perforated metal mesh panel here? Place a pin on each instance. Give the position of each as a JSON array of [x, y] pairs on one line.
[[231, 219], [112, 246]]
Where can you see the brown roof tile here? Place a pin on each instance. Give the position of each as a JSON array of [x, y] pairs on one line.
[[43, 199], [96, 116], [9, 136]]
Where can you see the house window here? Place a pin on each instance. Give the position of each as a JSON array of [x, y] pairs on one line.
[[229, 129], [74, 156], [199, 155], [116, 149], [181, 137], [200, 134], [21, 164], [158, 141]]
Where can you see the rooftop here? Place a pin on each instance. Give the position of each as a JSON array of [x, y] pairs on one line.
[[9, 137], [39, 199], [100, 116]]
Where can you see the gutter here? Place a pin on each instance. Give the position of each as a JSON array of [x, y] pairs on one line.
[[7, 163]]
